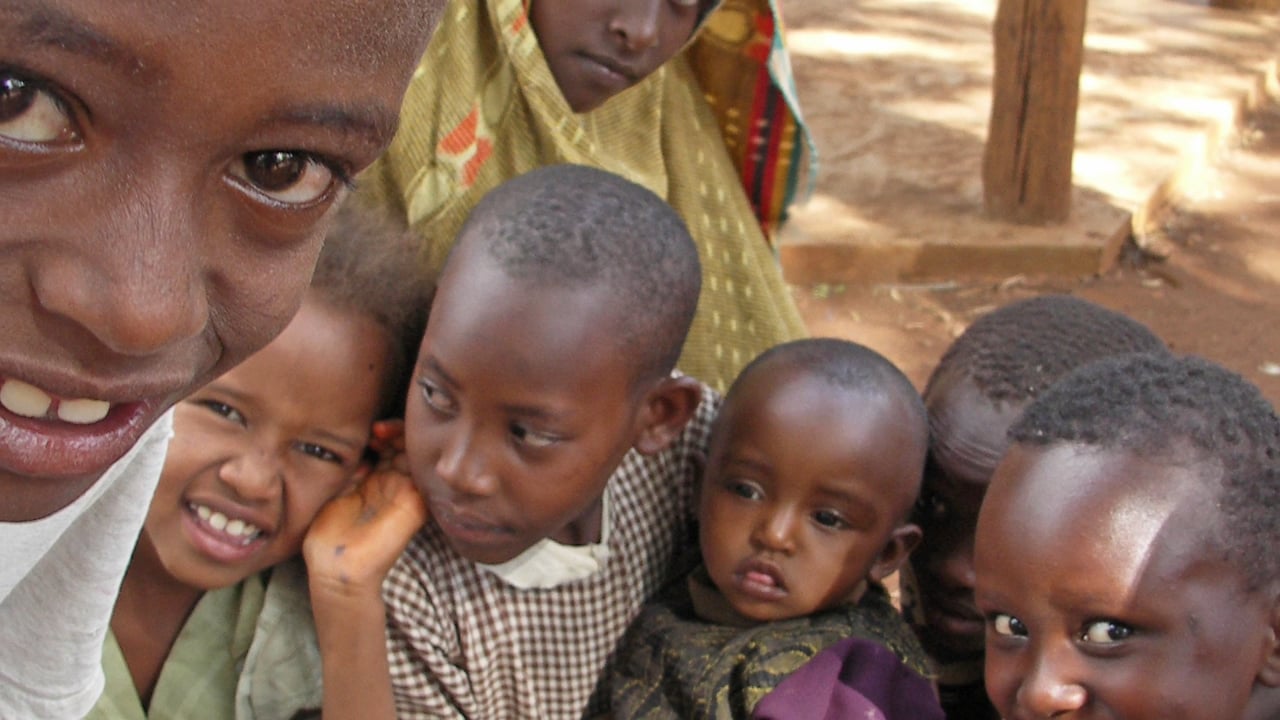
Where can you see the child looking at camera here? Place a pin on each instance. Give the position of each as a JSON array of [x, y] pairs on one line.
[[693, 99], [165, 175], [814, 467], [983, 381], [214, 616], [1126, 550], [555, 448]]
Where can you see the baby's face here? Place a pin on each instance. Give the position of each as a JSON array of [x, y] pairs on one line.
[[166, 171], [967, 440], [1103, 595], [598, 48], [521, 408], [805, 487], [259, 450]]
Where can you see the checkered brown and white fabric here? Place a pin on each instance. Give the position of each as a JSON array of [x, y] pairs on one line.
[[463, 643]]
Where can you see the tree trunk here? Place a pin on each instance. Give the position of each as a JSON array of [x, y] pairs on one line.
[[1039, 51]]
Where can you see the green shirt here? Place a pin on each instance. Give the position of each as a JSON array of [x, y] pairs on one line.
[[247, 652]]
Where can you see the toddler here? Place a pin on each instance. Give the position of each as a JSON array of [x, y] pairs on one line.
[[692, 99], [1126, 550], [214, 612], [555, 449], [815, 463], [981, 384]]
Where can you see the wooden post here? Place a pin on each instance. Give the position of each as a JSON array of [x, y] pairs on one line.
[[1039, 51]]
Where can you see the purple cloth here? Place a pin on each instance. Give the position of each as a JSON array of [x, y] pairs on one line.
[[854, 678]]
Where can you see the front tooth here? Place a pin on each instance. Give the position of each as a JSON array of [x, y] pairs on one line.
[[82, 411], [218, 520], [24, 399], [235, 527]]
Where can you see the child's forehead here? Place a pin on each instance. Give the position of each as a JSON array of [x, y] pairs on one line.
[[1129, 506], [133, 32]]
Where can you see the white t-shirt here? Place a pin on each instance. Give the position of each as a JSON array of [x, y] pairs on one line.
[[59, 577]]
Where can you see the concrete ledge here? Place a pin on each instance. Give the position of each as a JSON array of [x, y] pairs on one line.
[[898, 95]]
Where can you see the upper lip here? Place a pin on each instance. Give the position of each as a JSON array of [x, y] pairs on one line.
[[626, 70], [763, 566], [954, 607], [140, 388], [460, 516], [235, 511]]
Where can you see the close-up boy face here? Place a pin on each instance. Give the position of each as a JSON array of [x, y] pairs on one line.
[[805, 484], [1106, 594], [967, 440], [522, 406], [259, 450], [598, 48], [165, 175]]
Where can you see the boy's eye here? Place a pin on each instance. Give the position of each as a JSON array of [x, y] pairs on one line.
[[30, 113], [1105, 632], [830, 519], [320, 452], [224, 410], [436, 398], [287, 177], [1008, 625], [531, 438], [744, 490]]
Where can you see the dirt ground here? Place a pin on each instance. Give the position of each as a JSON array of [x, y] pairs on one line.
[[1205, 276]]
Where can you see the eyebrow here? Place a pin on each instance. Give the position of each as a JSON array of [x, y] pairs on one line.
[[374, 125], [54, 28]]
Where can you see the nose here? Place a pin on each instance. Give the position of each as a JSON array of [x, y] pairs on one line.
[[635, 23], [776, 530], [255, 474], [1052, 687], [137, 284], [461, 464], [955, 565]]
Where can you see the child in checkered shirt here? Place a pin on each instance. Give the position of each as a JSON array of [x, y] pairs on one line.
[[555, 447]]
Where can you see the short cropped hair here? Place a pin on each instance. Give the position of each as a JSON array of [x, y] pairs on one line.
[[1016, 351], [368, 266], [575, 226], [1159, 406], [847, 366]]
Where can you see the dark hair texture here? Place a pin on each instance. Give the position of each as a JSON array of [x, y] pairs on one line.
[[1016, 351], [369, 266], [578, 227], [1159, 406]]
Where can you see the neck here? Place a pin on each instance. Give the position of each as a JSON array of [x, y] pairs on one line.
[[152, 608]]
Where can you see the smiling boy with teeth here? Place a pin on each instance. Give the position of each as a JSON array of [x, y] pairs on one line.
[[816, 460], [165, 172]]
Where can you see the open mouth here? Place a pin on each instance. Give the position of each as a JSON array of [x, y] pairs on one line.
[[45, 435], [761, 580], [29, 401], [219, 536]]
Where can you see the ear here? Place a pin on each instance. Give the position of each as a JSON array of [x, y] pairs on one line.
[[1269, 673], [665, 410], [902, 541]]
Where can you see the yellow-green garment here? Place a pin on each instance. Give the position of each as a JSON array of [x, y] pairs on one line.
[[247, 652], [484, 107]]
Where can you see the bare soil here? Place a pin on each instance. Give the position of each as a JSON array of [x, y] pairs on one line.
[[1205, 276]]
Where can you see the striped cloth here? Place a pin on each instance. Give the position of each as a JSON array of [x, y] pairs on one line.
[[720, 117]]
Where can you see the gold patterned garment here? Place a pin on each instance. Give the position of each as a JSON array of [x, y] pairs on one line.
[[715, 132], [682, 660]]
